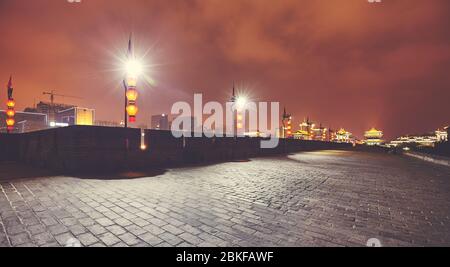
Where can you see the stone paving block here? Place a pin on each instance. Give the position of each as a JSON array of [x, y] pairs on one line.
[[170, 238], [109, 239], [116, 230], [104, 222], [43, 239], [63, 239], [129, 239], [153, 229], [58, 229], [19, 239], [96, 229], [150, 239], [78, 229], [87, 239], [191, 239], [172, 229]]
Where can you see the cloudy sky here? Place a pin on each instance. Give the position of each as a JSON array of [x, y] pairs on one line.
[[345, 63]]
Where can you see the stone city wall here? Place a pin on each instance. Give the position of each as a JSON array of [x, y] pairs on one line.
[[92, 148]]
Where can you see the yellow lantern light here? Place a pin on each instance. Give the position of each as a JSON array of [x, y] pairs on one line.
[[10, 122], [11, 104], [10, 112], [132, 94], [132, 110]]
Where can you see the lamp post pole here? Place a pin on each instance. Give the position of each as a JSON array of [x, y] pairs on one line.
[[125, 119], [233, 100]]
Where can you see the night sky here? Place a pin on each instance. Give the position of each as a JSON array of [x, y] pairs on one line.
[[345, 63]]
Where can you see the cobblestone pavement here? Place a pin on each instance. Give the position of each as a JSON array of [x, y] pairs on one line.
[[325, 198]]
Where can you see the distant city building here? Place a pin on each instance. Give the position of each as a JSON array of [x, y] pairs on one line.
[[25, 122], [442, 134], [309, 131], [75, 116], [373, 137], [61, 115], [428, 140], [304, 132], [50, 109], [160, 122], [319, 134], [341, 136]]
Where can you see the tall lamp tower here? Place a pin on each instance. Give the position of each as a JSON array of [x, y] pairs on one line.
[[133, 69], [233, 100], [10, 112]]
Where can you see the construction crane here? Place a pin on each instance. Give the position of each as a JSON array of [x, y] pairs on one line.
[[52, 95]]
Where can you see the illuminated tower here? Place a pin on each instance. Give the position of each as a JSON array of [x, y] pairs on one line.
[[133, 70], [10, 112], [373, 137], [287, 124]]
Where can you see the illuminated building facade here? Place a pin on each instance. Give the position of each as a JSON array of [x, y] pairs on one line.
[[61, 115], [341, 136], [304, 132], [74, 116], [427, 140], [309, 131], [318, 134], [373, 137], [442, 134]]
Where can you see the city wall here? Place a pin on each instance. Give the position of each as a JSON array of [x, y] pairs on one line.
[[90, 148]]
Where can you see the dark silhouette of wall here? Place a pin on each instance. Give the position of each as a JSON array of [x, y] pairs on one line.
[[93, 148]]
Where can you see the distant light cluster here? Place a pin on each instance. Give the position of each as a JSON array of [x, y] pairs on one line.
[[374, 1], [74, 1]]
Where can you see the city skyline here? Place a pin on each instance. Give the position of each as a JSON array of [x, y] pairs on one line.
[[357, 66]]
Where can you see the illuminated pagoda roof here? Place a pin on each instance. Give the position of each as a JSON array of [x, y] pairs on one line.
[[342, 131], [373, 133]]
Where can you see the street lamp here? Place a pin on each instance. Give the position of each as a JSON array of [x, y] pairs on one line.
[[10, 112], [133, 69]]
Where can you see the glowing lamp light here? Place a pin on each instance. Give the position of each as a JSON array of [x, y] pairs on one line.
[[132, 110], [239, 125], [143, 147], [132, 94], [11, 104], [241, 101], [10, 122], [134, 68], [10, 113]]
